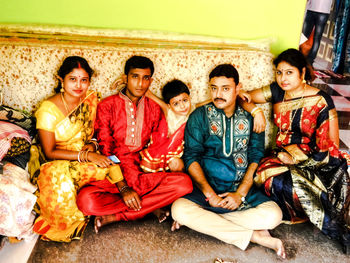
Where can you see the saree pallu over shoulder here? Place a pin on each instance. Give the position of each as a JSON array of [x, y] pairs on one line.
[[75, 129]]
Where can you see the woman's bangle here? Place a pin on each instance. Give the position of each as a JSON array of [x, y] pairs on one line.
[[83, 156], [255, 111], [86, 155], [79, 156], [95, 143]]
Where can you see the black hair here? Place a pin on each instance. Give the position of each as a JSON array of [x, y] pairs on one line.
[[174, 88], [68, 65], [295, 58], [225, 70], [138, 62]]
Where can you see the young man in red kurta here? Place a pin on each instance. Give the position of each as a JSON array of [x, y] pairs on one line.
[[124, 125]]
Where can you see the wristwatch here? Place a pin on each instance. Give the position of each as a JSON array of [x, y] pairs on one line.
[[244, 202]]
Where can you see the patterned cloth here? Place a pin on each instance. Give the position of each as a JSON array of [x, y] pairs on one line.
[[18, 117], [318, 187], [16, 202], [18, 147], [165, 145], [58, 181], [224, 147], [9, 131]]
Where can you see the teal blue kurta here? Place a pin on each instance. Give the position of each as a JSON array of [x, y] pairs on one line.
[[224, 147]]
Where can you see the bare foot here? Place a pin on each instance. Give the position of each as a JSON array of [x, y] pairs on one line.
[[161, 214], [263, 238], [100, 221], [175, 226]]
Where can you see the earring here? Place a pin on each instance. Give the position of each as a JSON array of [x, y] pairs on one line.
[[62, 88], [304, 81]]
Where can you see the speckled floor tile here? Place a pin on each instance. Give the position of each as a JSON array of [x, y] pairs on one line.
[[148, 241]]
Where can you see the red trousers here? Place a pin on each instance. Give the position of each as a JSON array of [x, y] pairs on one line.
[[103, 198]]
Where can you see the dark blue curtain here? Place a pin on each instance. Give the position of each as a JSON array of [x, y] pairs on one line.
[[341, 48]]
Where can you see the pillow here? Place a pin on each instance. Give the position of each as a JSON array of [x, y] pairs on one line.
[[20, 118]]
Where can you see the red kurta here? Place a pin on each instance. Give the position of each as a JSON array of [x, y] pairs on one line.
[[124, 128]]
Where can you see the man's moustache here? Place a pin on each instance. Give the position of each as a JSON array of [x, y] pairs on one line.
[[217, 99]]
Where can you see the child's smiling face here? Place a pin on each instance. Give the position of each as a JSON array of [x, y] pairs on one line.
[[180, 104]]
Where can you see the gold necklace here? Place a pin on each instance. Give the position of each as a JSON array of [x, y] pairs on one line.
[[73, 117], [64, 103], [282, 136]]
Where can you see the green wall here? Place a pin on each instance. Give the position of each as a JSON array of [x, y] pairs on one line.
[[242, 19]]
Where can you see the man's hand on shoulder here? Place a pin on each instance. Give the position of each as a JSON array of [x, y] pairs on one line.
[[259, 122]]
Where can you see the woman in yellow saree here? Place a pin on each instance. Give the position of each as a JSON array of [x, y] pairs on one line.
[[65, 124]]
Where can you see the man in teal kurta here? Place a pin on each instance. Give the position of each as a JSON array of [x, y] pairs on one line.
[[221, 154]]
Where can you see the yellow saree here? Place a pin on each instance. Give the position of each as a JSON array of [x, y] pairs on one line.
[[59, 180]]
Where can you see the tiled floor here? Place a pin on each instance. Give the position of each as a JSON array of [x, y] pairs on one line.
[[339, 89]]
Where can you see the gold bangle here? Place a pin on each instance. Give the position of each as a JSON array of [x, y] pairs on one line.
[[79, 156], [255, 111], [86, 156], [95, 143]]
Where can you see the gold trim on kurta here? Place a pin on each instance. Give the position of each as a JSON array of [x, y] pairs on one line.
[[135, 120]]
